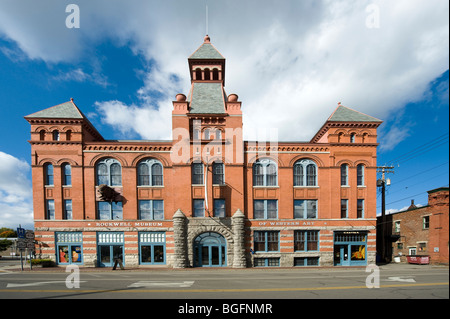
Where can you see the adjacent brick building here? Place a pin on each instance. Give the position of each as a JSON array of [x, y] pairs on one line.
[[422, 231], [206, 198]]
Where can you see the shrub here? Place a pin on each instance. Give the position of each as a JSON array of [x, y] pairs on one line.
[[43, 262]]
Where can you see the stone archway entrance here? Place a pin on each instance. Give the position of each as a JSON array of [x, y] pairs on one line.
[[210, 250]]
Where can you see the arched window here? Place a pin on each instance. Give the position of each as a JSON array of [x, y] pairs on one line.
[[364, 138], [68, 135], [48, 171], [42, 135], [55, 135], [360, 175], [352, 138], [66, 174], [207, 75], [196, 134], [344, 175], [218, 173], [264, 173], [218, 134], [150, 173], [215, 74], [305, 173], [207, 133], [198, 74], [109, 172]]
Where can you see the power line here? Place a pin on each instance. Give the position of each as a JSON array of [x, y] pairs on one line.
[[440, 140], [422, 172]]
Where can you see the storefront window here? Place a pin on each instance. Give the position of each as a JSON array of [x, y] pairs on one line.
[[358, 252], [350, 248], [69, 247], [152, 247]]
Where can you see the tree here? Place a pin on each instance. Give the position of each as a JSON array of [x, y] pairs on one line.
[[4, 244], [7, 233]]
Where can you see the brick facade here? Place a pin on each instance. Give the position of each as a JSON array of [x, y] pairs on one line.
[[247, 204], [423, 230]]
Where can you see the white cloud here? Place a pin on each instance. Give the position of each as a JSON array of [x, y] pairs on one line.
[[15, 192], [289, 61]]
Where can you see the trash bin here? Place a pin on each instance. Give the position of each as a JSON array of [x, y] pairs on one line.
[[416, 259]]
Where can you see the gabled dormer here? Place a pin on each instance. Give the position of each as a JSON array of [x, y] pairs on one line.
[[62, 123], [347, 126]]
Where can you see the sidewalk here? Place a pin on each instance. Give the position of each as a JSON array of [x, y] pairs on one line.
[[7, 266]]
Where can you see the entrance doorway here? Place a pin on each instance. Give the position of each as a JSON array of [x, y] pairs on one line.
[[350, 248], [109, 247], [210, 250], [108, 253]]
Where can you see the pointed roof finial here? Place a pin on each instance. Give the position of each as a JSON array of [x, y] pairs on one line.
[[339, 103], [207, 39]]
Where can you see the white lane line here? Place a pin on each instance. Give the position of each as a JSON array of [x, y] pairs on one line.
[[152, 284], [40, 283]]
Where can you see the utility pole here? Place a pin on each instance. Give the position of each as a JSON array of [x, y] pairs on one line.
[[382, 183]]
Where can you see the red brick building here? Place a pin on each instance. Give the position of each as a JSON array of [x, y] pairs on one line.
[[207, 198], [422, 231]]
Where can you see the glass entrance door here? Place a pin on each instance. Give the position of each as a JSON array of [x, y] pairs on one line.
[[209, 250], [341, 255], [108, 253]]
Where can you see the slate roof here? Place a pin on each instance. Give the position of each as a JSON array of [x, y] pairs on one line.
[[345, 114], [207, 98], [206, 51], [67, 110]]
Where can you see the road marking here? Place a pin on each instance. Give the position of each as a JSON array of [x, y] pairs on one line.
[[401, 279], [36, 284], [220, 290], [184, 284]]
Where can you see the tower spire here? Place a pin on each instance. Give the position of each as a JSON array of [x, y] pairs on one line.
[[206, 17]]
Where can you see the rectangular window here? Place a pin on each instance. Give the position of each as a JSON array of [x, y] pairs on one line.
[[199, 207], [50, 209], [151, 209], [267, 262], [265, 209], [306, 240], [266, 241], [360, 208], [109, 210], [344, 208], [152, 247], [344, 175], [422, 247], [426, 222], [197, 174], [397, 226], [360, 175], [69, 247], [305, 208], [306, 261], [219, 208], [67, 175], [68, 209], [218, 174]]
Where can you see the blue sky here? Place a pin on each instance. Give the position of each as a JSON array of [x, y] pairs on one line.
[[290, 62]]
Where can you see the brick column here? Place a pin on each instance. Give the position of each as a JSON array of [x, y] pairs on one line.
[[180, 240], [239, 236]]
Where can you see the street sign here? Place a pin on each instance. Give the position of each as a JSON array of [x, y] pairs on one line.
[[21, 232], [21, 245], [29, 234]]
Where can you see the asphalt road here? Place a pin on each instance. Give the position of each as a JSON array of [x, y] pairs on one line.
[[393, 281]]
